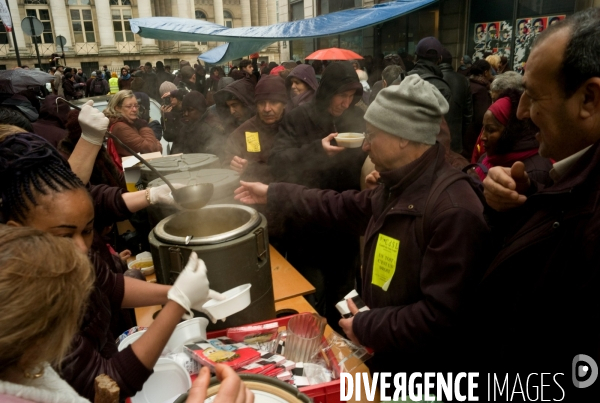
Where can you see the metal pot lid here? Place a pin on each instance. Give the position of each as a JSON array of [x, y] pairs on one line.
[[183, 162], [207, 226], [225, 181]]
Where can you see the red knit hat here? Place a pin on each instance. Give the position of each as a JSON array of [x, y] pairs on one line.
[[501, 110]]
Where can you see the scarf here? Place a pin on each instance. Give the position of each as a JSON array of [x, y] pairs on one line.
[[505, 160], [481, 80], [127, 77]]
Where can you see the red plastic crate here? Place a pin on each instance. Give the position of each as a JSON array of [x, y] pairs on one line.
[[323, 393]]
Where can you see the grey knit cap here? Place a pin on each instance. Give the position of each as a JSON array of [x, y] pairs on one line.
[[412, 110]]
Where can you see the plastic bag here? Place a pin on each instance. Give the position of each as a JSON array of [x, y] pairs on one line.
[[341, 355]]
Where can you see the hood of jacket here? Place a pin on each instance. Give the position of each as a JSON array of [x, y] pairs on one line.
[[423, 66], [304, 73], [338, 77], [243, 90], [49, 110], [445, 67]]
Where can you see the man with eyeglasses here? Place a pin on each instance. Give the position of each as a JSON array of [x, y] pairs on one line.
[[425, 235]]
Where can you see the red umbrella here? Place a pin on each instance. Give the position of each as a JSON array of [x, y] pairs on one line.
[[333, 54]]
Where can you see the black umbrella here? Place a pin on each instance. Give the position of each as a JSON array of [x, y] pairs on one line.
[[13, 81]]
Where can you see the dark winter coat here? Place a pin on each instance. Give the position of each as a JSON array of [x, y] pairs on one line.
[[431, 73], [162, 76], [94, 351], [151, 85], [257, 169], [51, 123], [197, 137], [298, 155], [410, 325], [173, 124], [125, 83], [480, 94], [460, 114], [50, 130], [104, 88], [69, 89], [538, 306]]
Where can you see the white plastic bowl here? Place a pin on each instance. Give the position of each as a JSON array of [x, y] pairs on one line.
[[350, 140], [129, 340], [236, 299], [168, 381], [186, 332]]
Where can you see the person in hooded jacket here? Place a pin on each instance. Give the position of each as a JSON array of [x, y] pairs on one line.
[[301, 85], [238, 98], [195, 137], [51, 122], [508, 139], [303, 154], [429, 56], [248, 148]]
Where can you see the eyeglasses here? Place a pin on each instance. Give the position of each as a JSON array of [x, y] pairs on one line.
[[369, 136], [134, 106]]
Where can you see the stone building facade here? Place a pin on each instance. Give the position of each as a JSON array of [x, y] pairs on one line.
[[97, 32]]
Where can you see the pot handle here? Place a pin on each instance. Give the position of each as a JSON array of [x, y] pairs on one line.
[[176, 263], [261, 244]]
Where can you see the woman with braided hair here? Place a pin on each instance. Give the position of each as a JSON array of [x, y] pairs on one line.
[[38, 189]]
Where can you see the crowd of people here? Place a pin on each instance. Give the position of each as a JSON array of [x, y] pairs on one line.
[[475, 193]]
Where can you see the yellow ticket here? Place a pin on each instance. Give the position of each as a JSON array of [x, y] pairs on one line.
[[384, 262], [252, 142]]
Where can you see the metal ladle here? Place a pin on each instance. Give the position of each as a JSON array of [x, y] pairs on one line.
[[191, 197]]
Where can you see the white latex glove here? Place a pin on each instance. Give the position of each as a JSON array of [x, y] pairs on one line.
[[191, 287], [93, 124], [162, 194]]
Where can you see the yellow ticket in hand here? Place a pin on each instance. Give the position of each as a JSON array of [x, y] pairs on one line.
[[252, 142], [384, 262]]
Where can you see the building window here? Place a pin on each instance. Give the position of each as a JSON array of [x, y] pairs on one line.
[[88, 67], [83, 25], [173, 63], [297, 11], [78, 2], [227, 19], [120, 2], [3, 34], [42, 14], [133, 64], [120, 17], [36, 1]]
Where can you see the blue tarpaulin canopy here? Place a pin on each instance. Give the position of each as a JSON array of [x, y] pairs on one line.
[[246, 40]]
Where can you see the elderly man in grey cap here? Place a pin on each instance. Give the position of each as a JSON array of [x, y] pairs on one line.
[[425, 234]]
